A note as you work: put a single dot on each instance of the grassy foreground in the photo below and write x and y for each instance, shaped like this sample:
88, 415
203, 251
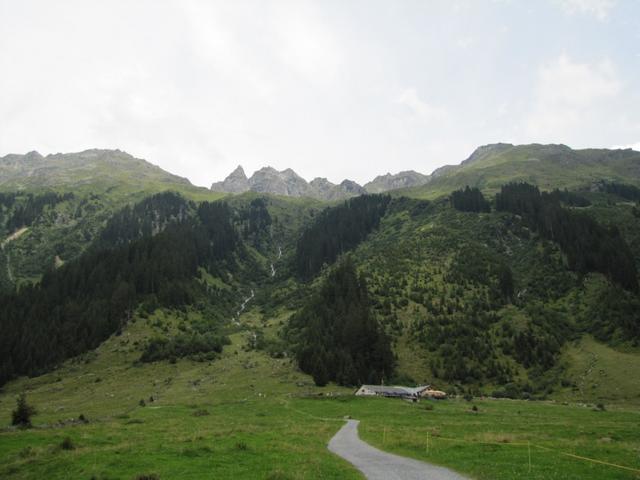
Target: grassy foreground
247, 415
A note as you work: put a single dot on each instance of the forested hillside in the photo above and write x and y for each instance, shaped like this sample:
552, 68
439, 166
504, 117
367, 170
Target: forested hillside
335, 335
486, 297
79, 305
484, 288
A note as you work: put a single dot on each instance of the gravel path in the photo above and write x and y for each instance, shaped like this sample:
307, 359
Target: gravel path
379, 465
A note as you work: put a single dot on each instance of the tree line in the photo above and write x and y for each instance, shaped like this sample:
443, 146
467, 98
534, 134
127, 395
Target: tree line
75, 308
628, 192
335, 335
28, 208
470, 200
145, 219
589, 246
337, 230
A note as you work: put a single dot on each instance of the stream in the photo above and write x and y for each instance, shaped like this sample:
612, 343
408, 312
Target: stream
244, 303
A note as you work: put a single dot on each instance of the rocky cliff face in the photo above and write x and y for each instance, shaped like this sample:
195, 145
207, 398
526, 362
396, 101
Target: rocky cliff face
287, 183
236, 182
384, 183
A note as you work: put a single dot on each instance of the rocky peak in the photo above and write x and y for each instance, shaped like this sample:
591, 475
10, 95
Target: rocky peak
406, 179
352, 187
238, 173
236, 182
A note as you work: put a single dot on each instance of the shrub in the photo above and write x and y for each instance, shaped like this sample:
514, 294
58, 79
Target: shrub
67, 444
21, 416
83, 419
142, 403
184, 345
150, 476
242, 446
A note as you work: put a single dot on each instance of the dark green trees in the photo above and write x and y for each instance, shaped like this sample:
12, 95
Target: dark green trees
81, 304
470, 200
145, 219
336, 336
337, 230
21, 416
28, 208
589, 246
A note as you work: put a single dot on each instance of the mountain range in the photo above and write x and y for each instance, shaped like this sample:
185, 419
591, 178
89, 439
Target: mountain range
488, 167
289, 183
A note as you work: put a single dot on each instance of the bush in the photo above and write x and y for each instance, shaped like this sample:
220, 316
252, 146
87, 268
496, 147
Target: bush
67, 444
150, 476
21, 416
194, 345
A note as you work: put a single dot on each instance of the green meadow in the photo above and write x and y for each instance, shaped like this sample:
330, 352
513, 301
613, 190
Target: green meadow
247, 415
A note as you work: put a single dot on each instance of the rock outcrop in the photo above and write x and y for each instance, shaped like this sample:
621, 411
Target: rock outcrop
287, 183
236, 182
384, 183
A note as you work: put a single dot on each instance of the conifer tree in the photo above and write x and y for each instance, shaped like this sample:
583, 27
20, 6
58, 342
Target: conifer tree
21, 416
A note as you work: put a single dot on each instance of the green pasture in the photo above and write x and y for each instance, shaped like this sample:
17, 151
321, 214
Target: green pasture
247, 415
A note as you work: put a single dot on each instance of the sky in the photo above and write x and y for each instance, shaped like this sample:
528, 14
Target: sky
332, 88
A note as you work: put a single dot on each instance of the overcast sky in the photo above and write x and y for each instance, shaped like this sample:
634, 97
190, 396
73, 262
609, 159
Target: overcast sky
339, 89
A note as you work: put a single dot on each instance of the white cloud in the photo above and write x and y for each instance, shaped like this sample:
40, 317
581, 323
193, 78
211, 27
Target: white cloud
465, 42
570, 96
329, 88
305, 44
597, 8
425, 111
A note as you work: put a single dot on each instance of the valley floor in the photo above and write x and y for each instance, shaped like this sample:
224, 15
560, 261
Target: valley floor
247, 415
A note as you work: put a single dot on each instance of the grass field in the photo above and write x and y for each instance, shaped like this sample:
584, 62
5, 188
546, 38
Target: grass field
246, 415
602, 374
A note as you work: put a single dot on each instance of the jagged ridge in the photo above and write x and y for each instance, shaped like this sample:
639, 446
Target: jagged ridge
289, 183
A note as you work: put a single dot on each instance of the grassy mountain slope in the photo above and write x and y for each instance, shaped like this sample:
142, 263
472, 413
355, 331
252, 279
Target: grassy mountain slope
88, 171
548, 166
